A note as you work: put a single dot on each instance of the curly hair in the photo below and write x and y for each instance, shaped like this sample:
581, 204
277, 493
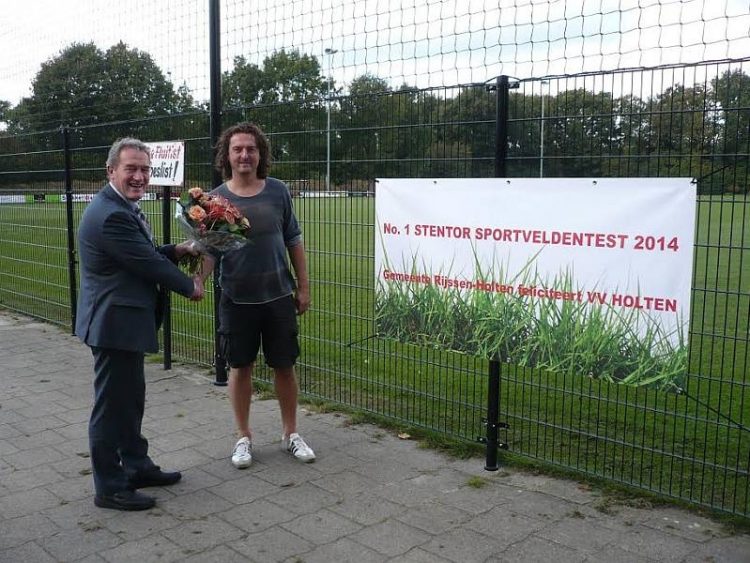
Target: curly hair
222, 149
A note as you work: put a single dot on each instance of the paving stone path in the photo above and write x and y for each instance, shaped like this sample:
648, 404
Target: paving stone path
370, 496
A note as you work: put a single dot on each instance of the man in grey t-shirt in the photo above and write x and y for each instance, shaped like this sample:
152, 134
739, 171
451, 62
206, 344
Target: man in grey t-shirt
260, 299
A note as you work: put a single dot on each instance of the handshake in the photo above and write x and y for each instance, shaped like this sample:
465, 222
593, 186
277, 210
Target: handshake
198, 290
189, 247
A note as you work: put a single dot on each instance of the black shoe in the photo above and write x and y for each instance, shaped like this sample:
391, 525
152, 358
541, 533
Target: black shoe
155, 478
125, 500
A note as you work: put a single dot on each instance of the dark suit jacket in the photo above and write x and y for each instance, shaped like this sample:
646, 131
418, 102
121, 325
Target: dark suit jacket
121, 270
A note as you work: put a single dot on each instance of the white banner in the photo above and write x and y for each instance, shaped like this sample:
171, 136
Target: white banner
88, 197
12, 198
522, 259
77, 197
167, 163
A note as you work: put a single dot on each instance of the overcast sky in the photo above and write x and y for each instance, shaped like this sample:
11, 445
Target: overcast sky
418, 42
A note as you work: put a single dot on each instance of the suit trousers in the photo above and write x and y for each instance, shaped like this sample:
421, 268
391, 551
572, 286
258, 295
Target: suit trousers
118, 449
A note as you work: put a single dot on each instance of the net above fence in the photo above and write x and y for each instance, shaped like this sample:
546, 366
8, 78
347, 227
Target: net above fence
322, 48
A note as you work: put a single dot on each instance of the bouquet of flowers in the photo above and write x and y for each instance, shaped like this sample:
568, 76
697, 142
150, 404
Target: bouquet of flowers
212, 223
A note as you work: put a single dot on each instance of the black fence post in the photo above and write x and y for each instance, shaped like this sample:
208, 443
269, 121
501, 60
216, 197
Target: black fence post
70, 227
166, 223
216, 179
502, 87
493, 412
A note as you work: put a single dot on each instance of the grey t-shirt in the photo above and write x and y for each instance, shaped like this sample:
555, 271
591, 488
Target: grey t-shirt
259, 272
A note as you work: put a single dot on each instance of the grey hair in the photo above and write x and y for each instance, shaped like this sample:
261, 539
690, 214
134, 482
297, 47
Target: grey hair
113, 158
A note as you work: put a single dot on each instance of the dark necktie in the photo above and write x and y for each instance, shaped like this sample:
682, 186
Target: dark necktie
144, 222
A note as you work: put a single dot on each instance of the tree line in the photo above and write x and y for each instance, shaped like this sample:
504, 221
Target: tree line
700, 130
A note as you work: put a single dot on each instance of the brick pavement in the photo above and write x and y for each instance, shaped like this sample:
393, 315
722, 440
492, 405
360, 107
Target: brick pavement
369, 497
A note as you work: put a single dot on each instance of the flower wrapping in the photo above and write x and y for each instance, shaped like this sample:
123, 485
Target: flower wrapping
212, 223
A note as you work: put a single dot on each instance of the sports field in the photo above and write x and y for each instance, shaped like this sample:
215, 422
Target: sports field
693, 446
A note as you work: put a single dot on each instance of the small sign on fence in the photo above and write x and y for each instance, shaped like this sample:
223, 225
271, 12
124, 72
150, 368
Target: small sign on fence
167, 163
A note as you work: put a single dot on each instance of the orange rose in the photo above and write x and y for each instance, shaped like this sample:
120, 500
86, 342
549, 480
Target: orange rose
197, 213
196, 193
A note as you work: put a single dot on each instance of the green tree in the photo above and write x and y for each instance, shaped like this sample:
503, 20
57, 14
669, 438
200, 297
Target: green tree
294, 93
732, 91
416, 133
636, 140
84, 86
243, 85
682, 131
581, 129
286, 97
291, 77
5, 108
362, 139
470, 122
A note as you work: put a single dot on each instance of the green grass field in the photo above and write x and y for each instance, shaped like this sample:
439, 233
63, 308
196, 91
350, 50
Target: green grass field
693, 446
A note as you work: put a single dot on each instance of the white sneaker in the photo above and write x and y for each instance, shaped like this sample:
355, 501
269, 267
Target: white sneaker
296, 446
242, 455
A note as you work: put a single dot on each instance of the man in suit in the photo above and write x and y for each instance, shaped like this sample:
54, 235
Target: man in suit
121, 272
